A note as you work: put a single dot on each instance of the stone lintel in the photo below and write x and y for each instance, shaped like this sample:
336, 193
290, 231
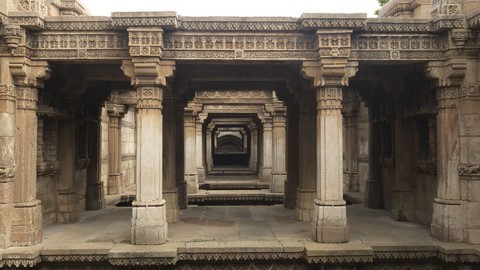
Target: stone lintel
333, 20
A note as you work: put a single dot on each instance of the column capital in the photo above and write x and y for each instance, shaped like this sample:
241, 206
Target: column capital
329, 98
329, 72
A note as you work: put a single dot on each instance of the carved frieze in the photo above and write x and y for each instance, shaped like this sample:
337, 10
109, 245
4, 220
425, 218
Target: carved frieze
166, 20
96, 45
33, 6
334, 44
62, 25
469, 170
243, 46
8, 92
145, 41
7, 172
329, 98
196, 25
391, 25
397, 47
336, 22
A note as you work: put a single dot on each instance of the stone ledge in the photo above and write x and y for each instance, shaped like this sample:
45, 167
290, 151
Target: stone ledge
352, 252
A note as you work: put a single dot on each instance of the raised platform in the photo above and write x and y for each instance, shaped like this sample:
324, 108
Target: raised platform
242, 237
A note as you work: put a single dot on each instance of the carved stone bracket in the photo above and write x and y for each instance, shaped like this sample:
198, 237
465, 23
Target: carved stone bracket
148, 71
447, 73
330, 73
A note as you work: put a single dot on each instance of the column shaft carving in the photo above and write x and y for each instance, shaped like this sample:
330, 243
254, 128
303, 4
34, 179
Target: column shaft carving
350, 108
179, 156
329, 223
7, 161
253, 161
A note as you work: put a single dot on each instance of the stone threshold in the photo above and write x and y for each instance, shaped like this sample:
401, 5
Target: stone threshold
212, 196
171, 253
234, 184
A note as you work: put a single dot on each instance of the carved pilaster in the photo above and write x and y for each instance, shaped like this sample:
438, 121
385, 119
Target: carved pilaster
190, 150
267, 152
115, 176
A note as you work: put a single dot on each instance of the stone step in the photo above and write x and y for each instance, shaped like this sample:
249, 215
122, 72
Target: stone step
234, 185
235, 197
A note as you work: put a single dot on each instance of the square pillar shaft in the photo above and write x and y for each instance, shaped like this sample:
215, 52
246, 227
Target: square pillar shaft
329, 223
149, 223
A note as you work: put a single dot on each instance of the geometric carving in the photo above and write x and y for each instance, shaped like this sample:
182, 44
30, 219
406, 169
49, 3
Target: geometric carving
52, 45
145, 41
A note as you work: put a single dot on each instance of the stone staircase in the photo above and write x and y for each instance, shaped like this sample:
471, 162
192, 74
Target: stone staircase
233, 189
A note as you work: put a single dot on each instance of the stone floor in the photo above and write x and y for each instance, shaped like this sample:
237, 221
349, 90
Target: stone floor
238, 233
238, 223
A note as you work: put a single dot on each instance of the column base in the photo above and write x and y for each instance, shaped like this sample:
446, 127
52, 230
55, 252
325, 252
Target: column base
305, 203
27, 224
115, 185
171, 199
267, 175
95, 196
290, 198
149, 223
447, 221
67, 207
182, 194
329, 222
278, 182
403, 208
192, 183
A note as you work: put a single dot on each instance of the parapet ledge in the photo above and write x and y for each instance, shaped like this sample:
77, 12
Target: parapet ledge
399, 25
333, 20
163, 19
351, 252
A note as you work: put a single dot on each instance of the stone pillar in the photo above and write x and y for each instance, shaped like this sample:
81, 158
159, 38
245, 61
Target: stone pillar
253, 161
67, 201
95, 195
267, 150
279, 170
27, 212
307, 187
403, 207
190, 152
208, 148
350, 109
373, 193
149, 224
8, 96
179, 158
291, 185
115, 175
329, 223
447, 220
169, 142
199, 149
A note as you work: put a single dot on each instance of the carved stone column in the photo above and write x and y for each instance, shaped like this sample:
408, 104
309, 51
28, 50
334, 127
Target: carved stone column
292, 156
267, 150
253, 160
279, 170
329, 223
306, 191
373, 192
350, 109
447, 220
190, 152
8, 96
179, 157
149, 222
27, 212
199, 149
208, 148
115, 175
169, 162
95, 195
